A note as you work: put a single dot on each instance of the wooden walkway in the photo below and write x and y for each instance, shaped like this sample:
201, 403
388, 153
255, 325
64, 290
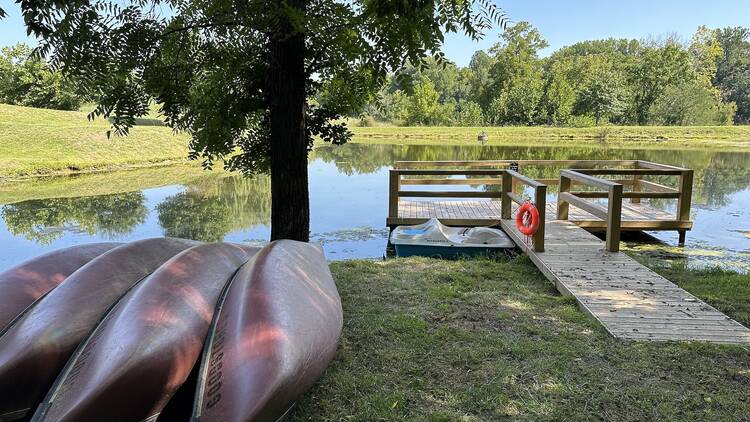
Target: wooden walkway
629, 300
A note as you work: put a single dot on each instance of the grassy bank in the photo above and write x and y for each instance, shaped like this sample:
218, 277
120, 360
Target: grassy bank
38, 142
626, 136
487, 340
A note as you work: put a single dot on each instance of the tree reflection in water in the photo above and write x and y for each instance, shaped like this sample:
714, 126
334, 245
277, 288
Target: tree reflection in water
718, 174
45, 220
214, 206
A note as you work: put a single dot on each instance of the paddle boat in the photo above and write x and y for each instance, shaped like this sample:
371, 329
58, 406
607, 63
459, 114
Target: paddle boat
434, 239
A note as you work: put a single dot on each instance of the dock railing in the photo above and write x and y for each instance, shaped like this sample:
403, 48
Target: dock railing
540, 202
612, 214
399, 177
612, 190
591, 173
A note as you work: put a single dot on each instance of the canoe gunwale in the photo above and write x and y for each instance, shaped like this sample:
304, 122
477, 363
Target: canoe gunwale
208, 343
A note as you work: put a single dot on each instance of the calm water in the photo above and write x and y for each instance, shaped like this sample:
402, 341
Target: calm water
348, 193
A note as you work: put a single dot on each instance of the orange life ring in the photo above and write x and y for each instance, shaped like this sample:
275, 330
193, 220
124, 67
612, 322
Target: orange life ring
527, 219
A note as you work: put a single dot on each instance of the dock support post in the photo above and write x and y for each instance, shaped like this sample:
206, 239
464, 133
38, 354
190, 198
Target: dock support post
681, 237
505, 202
686, 194
393, 188
562, 205
614, 218
540, 199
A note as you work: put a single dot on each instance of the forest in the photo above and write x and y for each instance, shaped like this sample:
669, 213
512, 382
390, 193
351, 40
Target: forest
667, 81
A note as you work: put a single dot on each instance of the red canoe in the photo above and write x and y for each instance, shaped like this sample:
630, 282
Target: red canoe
146, 347
36, 346
24, 284
275, 332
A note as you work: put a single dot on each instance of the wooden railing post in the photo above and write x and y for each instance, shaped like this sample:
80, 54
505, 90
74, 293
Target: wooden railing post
505, 204
562, 205
686, 193
540, 199
394, 185
614, 218
636, 186
683, 202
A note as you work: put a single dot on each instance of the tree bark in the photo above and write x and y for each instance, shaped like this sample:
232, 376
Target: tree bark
290, 203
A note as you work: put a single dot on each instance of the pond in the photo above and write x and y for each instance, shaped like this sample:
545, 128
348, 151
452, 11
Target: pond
348, 194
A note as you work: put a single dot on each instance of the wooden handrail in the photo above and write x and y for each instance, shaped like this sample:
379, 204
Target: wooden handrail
652, 165
628, 172
523, 179
489, 181
448, 194
437, 172
612, 215
656, 187
594, 209
638, 195
586, 179
506, 163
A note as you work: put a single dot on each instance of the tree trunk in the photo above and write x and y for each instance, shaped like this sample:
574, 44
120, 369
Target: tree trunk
290, 203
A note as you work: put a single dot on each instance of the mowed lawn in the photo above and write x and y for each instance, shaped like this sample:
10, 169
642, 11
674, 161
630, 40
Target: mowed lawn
44, 142
727, 137
39, 141
492, 339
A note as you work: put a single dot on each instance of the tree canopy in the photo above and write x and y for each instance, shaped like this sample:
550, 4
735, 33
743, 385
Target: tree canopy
619, 81
27, 80
253, 81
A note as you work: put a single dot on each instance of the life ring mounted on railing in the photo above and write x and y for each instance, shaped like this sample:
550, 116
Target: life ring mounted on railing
527, 219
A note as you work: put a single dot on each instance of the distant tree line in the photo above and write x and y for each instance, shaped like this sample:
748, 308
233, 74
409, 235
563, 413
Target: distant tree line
662, 82
28, 81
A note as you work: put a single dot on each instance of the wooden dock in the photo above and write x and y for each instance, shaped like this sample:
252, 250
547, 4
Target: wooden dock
629, 300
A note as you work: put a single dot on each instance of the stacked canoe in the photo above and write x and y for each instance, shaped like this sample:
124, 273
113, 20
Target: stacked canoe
165, 329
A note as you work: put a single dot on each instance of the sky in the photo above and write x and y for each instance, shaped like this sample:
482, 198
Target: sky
560, 22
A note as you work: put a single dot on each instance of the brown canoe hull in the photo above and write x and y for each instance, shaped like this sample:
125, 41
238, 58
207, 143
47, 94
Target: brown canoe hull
275, 332
37, 345
26, 283
112, 376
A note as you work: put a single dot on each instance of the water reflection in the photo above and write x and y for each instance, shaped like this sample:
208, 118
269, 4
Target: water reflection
45, 220
717, 174
214, 207
349, 193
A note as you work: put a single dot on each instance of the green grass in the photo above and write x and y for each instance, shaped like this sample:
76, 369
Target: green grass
487, 340
38, 142
640, 136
